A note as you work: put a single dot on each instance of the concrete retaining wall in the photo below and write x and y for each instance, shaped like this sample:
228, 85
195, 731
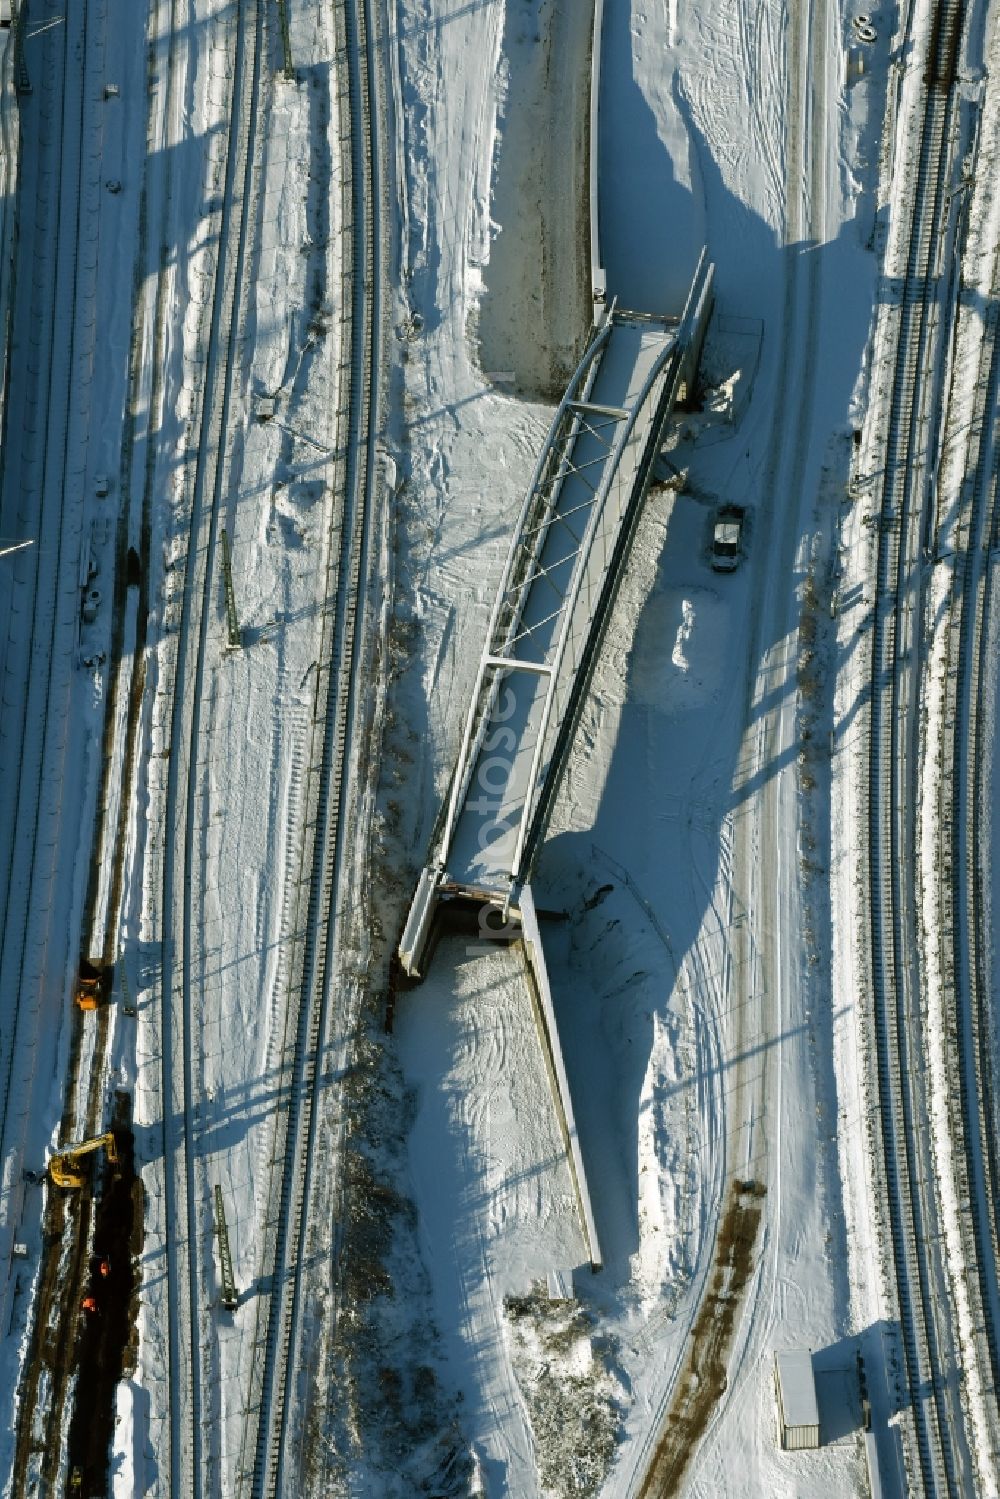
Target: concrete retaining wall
10, 148
546, 1020
598, 280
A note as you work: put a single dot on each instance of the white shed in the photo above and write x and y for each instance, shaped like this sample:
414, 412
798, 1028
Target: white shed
560, 1285
795, 1386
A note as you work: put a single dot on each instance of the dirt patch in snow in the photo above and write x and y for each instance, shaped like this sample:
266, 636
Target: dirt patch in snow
535, 309
106, 1341
703, 1380
391, 1413
572, 1397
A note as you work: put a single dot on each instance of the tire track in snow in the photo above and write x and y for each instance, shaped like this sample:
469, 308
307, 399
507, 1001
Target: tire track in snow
752, 1149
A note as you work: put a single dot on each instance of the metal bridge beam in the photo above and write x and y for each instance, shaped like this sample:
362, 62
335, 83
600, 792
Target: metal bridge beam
590, 408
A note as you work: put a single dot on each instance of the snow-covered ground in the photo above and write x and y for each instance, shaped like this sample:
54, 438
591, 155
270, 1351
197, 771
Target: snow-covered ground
686, 869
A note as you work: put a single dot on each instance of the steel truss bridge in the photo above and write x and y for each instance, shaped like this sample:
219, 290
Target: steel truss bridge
565, 560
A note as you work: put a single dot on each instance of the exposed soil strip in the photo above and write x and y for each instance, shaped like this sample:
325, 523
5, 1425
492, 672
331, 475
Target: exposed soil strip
703, 1380
66, 1341
105, 1344
65, 1233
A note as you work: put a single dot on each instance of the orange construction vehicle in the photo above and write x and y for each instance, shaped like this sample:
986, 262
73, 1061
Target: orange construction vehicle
93, 984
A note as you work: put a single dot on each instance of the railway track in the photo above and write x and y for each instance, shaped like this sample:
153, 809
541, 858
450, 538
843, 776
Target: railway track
962, 921
49, 1386
192, 1376
971, 908
44, 599
938, 1454
266, 1466
69, 92
44, 459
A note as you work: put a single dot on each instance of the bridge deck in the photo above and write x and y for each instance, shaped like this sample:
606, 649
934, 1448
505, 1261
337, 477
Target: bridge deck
599, 443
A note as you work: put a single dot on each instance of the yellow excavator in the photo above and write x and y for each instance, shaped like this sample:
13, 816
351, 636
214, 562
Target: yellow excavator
66, 1167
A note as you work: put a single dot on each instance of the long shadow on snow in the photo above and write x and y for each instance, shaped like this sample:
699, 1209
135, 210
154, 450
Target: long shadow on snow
675, 783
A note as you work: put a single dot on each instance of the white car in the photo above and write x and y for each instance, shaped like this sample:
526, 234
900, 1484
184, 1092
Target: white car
727, 534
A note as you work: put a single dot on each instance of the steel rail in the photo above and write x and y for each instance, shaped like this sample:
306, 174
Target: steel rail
963, 931
181, 1040
61, 165
982, 1016
53, 251
338, 709
935, 1401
